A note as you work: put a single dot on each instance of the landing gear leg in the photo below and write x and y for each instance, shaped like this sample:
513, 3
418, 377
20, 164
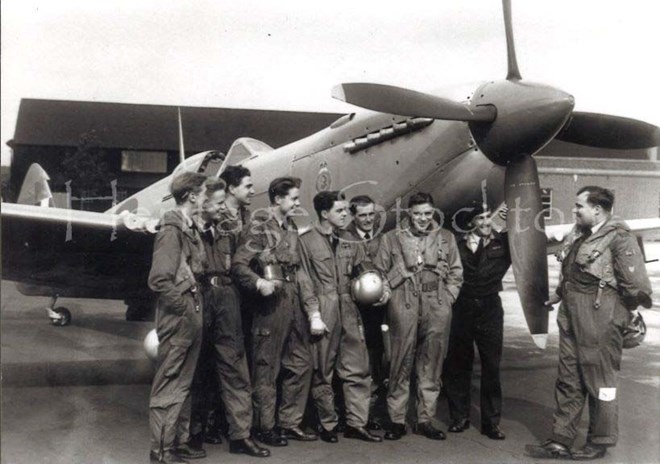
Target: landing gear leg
58, 316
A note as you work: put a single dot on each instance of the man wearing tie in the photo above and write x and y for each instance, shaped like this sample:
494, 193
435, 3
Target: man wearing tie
365, 228
477, 318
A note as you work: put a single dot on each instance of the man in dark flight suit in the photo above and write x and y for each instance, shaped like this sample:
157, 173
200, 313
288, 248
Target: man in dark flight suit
225, 358
603, 278
477, 317
338, 343
178, 262
265, 266
364, 228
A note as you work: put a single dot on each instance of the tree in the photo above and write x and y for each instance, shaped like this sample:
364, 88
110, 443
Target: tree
86, 168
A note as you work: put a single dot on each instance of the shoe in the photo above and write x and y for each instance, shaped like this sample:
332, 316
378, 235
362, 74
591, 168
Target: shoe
271, 438
549, 450
395, 431
188, 452
248, 446
459, 425
341, 426
196, 441
427, 429
213, 437
168, 457
296, 433
493, 432
361, 433
589, 452
373, 425
329, 436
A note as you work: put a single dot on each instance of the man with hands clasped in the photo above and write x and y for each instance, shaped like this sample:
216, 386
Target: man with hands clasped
265, 266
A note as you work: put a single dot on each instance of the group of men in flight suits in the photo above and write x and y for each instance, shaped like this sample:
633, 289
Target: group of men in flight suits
250, 308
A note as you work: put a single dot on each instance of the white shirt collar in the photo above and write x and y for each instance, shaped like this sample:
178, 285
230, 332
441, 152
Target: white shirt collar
363, 234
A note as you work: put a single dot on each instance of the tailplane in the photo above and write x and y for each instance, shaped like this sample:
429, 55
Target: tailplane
35, 189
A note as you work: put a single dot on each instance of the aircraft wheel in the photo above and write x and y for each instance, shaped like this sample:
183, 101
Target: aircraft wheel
65, 318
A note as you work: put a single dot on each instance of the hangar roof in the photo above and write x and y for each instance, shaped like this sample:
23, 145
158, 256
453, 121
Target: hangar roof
155, 127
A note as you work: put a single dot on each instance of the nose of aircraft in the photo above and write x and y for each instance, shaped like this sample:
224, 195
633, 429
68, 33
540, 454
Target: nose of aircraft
528, 116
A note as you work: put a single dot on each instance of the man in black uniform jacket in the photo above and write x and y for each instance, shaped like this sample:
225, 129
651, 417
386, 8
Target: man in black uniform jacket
477, 317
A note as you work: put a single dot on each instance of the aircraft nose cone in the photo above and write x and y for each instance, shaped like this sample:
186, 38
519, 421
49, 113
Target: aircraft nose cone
528, 117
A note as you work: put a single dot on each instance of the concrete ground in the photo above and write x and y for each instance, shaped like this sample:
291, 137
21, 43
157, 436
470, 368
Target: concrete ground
79, 394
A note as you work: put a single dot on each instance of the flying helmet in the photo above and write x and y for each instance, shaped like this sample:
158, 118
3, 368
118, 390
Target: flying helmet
151, 345
634, 334
367, 285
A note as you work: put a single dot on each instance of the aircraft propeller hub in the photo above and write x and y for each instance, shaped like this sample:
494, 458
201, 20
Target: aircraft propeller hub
528, 117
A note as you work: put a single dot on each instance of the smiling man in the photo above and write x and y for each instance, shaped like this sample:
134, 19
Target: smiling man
178, 264
223, 360
423, 271
603, 278
265, 266
365, 228
338, 343
478, 318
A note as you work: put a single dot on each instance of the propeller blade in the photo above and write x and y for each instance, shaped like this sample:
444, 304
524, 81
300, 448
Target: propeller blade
405, 102
606, 131
513, 73
527, 242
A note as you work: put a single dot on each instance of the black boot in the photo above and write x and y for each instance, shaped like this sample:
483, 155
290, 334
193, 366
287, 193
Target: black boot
395, 431
271, 438
427, 429
249, 447
361, 433
589, 452
459, 425
549, 450
329, 436
296, 433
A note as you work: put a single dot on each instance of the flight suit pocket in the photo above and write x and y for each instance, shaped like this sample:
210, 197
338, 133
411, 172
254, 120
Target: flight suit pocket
261, 336
395, 277
176, 357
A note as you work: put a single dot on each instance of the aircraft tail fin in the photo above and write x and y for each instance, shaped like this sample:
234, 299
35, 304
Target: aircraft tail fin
35, 189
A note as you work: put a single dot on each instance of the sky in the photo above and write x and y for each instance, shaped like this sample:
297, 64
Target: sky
288, 55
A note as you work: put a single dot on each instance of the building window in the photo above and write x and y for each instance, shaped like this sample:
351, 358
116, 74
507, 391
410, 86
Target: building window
144, 161
546, 202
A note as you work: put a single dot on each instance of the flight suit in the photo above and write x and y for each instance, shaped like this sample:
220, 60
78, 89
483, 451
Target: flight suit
603, 278
223, 361
280, 332
325, 287
373, 318
424, 274
478, 317
178, 261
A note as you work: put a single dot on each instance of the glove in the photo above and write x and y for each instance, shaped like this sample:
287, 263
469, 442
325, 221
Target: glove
265, 287
316, 324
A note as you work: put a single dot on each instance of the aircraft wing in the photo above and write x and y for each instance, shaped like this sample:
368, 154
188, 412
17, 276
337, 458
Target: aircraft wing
643, 228
77, 253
